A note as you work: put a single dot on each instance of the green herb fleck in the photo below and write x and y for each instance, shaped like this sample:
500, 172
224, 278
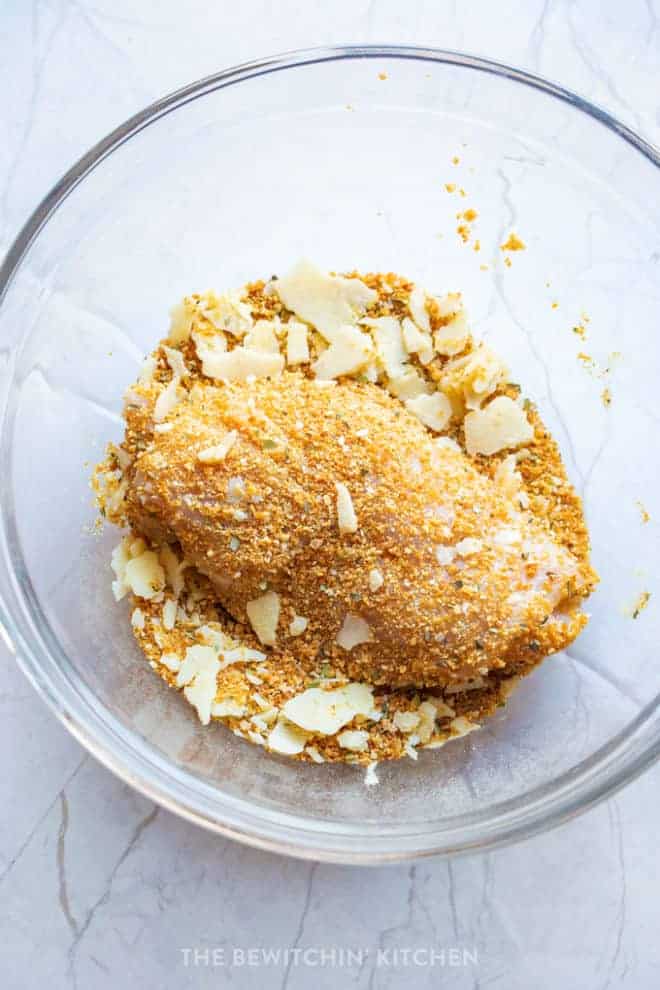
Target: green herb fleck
642, 602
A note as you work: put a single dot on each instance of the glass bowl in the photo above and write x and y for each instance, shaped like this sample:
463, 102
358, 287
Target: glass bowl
342, 155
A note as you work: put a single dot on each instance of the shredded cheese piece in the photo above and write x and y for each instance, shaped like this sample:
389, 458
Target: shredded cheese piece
264, 614
433, 411
499, 425
167, 400
298, 625
345, 511
214, 455
326, 301
297, 347
349, 351
375, 579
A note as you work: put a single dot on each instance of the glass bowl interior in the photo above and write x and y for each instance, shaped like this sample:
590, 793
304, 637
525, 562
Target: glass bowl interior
318, 155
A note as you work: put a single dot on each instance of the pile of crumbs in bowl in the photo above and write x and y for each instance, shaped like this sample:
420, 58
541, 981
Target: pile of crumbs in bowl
348, 533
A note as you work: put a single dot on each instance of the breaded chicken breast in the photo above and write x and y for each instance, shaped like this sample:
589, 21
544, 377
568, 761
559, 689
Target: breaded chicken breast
328, 515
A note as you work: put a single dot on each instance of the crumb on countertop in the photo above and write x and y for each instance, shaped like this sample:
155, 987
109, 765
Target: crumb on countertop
640, 604
513, 243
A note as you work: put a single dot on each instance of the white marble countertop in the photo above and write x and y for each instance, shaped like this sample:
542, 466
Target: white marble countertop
99, 888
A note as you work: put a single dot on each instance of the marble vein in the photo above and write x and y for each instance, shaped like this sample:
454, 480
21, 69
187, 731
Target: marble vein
537, 37
35, 828
653, 22
618, 955
72, 953
61, 867
39, 61
591, 61
301, 923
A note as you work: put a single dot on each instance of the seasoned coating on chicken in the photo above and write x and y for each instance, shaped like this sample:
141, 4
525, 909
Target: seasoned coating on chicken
416, 552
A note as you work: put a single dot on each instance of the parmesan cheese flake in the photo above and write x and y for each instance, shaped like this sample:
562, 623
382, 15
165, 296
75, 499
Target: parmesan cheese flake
346, 516
326, 301
500, 425
214, 455
264, 614
325, 712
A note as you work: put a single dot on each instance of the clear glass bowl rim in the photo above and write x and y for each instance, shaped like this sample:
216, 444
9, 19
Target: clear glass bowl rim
623, 758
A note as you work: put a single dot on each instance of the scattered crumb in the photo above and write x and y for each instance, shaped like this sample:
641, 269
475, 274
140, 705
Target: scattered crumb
547, 285
382, 75
606, 397
464, 229
513, 243
580, 330
349, 106
483, 268
462, 192
507, 262
641, 604
450, 187
455, 160
643, 511
554, 305
592, 366
477, 246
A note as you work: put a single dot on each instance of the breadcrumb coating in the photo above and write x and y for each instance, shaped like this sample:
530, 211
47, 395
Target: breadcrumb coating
390, 557
465, 574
